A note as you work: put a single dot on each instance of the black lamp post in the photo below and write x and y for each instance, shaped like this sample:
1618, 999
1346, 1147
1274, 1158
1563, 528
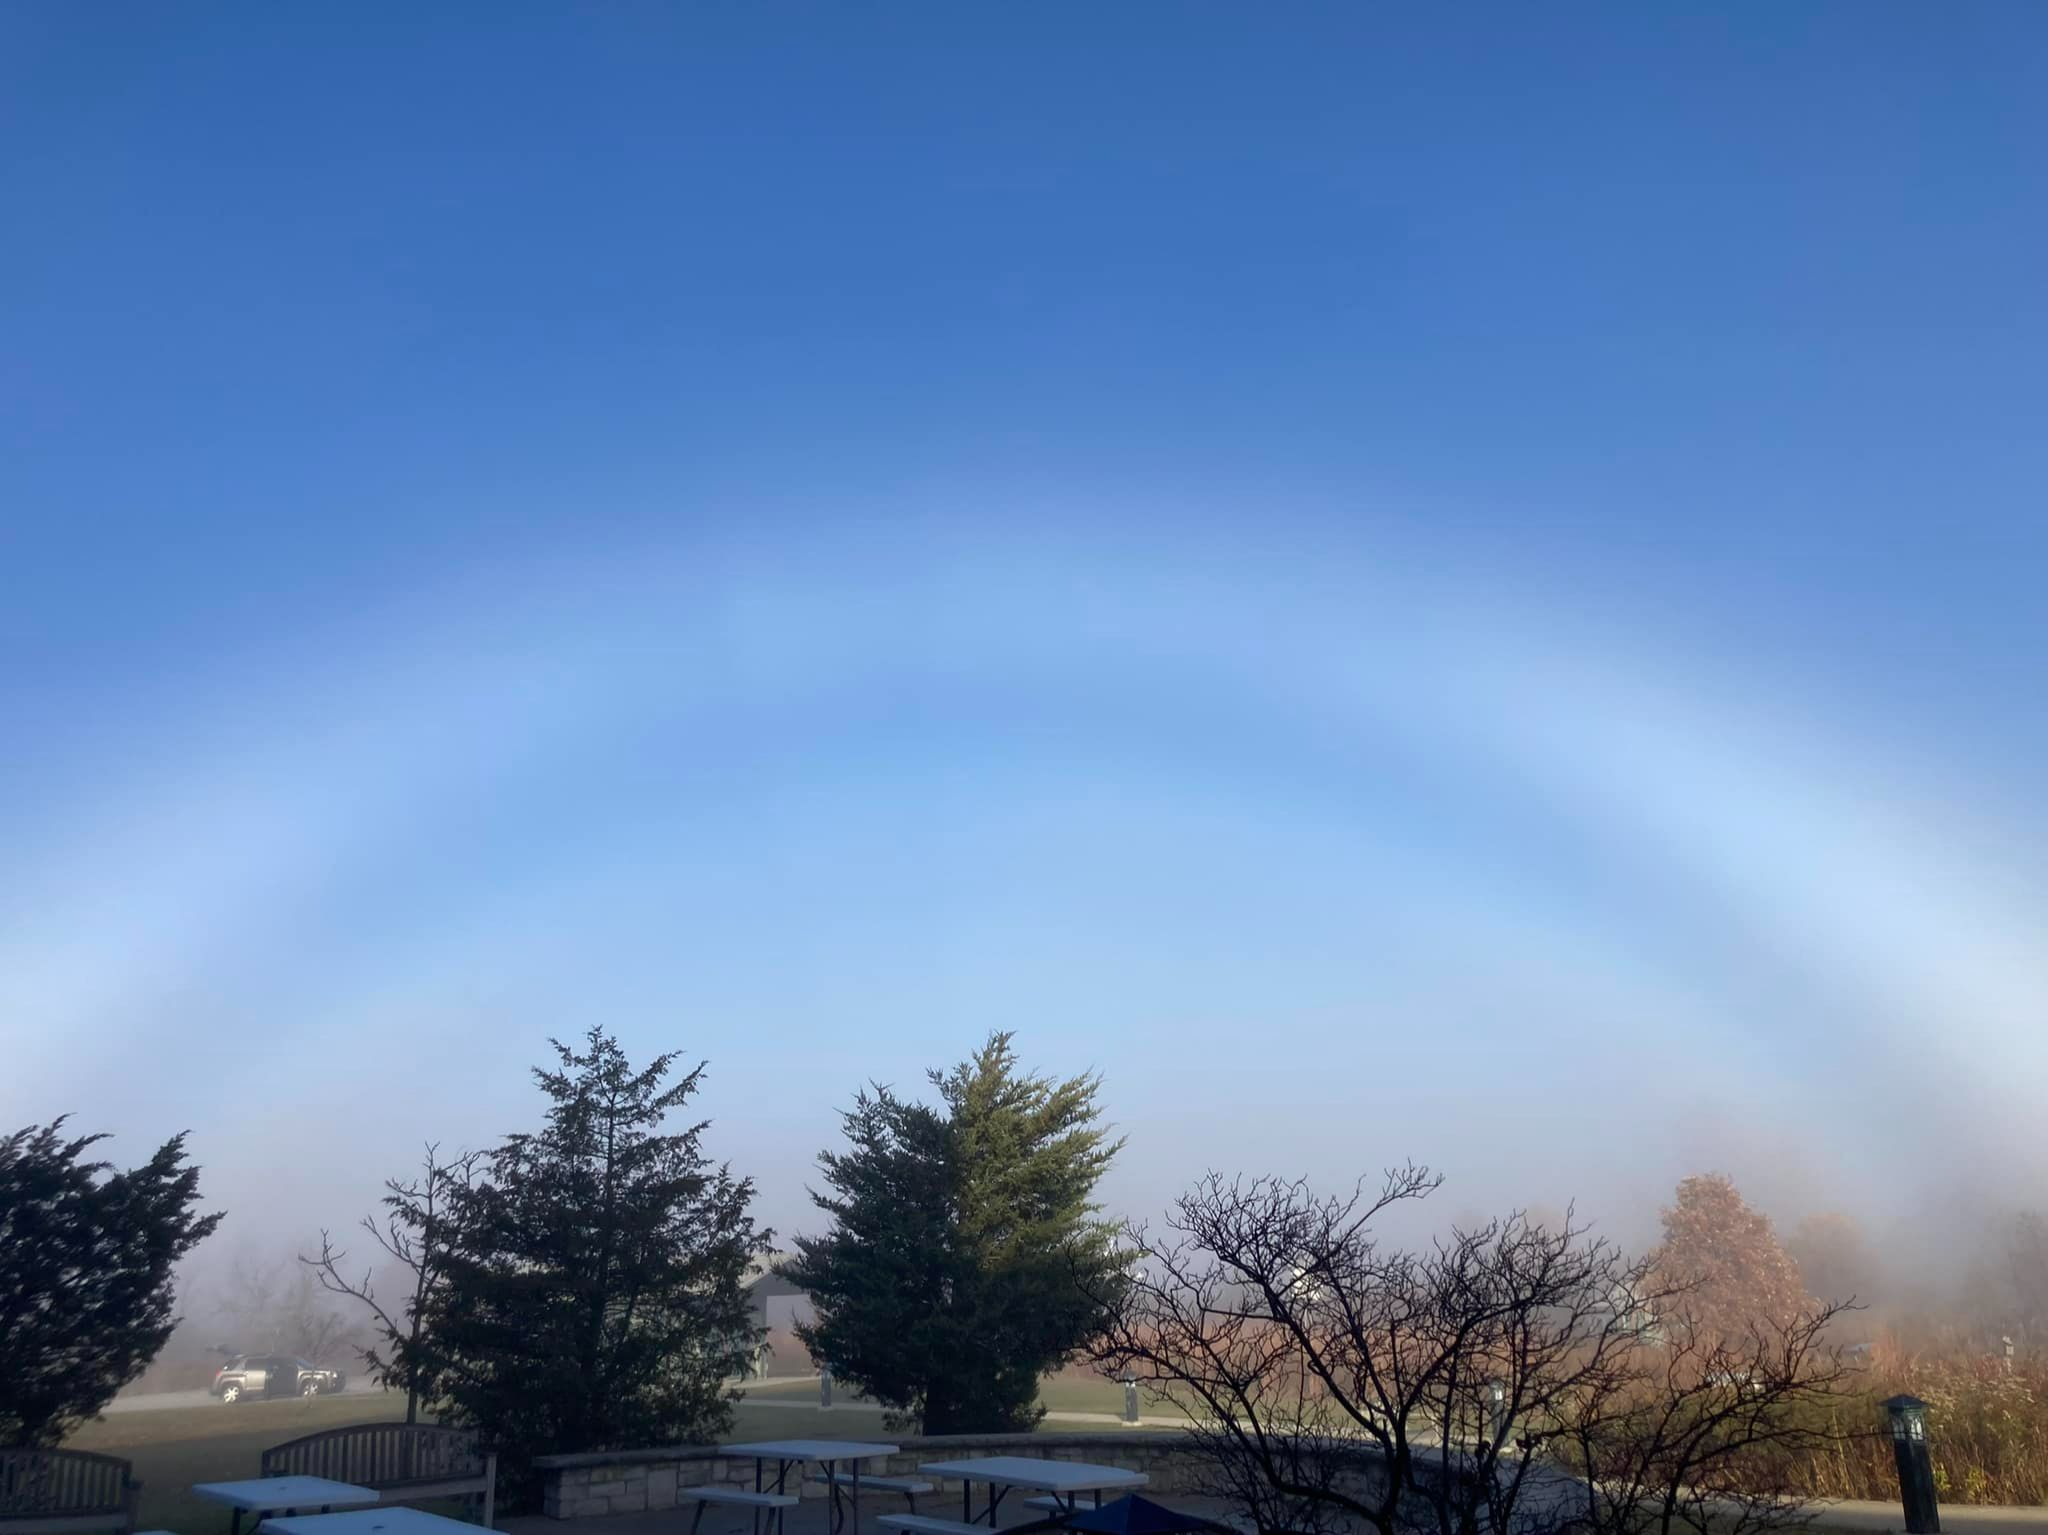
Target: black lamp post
1908, 1416
1130, 1385
1497, 1407
825, 1385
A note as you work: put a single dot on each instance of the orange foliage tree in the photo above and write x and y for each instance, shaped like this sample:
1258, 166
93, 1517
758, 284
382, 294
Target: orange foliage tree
1727, 1259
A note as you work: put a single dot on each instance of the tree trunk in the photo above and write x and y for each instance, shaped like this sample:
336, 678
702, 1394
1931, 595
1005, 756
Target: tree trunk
941, 1413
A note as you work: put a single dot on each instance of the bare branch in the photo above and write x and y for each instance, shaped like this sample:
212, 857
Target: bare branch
1508, 1378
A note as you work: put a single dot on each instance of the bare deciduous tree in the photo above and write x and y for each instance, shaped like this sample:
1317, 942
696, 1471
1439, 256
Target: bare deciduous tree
416, 1233
1338, 1382
273, 1305
1703, 1431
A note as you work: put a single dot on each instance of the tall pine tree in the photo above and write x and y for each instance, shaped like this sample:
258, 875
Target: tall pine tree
966, 1259
596, 1296
86, 1257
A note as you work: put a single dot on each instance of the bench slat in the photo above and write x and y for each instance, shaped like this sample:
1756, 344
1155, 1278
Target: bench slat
883, 1483
924, 1524
736, 1496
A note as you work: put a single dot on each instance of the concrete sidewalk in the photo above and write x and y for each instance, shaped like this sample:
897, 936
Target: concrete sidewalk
1964, 1518
809, 1518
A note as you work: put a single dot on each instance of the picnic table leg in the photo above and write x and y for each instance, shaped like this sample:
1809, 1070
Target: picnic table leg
856, 1498
757, 1487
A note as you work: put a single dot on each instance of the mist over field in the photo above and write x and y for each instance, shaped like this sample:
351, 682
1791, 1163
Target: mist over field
1401, 588
1325, 857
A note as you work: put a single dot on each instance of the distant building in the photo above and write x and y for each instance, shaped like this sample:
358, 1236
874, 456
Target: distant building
777, 1305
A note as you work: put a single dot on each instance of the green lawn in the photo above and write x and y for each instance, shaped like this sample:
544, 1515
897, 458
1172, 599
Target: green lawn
178, 1446
1063, 1393
175, 1447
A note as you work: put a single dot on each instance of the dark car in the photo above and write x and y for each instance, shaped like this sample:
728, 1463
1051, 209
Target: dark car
254, 1375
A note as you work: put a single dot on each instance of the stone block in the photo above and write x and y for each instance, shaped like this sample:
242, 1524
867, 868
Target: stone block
661, 1487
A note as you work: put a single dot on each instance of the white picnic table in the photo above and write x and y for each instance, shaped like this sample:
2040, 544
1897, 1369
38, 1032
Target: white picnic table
395, 1520
829, 1453
1065, 1480
283, 1495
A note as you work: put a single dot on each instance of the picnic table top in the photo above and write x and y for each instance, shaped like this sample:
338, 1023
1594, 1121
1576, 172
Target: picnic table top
369, 1521
1037, 1475
808, 1449
261, 1492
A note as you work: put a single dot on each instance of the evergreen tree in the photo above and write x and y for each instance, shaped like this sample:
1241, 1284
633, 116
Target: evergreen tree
86, 1256
965, 1259
594, 1297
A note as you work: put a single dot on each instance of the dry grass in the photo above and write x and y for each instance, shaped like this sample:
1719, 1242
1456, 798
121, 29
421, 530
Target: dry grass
1987, 1431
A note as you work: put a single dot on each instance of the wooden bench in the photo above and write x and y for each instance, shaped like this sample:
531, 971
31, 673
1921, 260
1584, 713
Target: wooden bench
924, 1524
65, 1492
776, 1503
406, 1462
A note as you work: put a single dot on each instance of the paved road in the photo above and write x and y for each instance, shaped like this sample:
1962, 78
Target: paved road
158, 1401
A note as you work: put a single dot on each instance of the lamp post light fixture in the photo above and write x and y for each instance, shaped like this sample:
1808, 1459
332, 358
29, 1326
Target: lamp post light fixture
1908, 1418
1497, 1407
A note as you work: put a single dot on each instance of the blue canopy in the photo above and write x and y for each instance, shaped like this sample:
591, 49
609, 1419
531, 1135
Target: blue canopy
1133, 1515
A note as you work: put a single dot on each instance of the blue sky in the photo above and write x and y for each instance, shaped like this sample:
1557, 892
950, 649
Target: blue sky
1402, 584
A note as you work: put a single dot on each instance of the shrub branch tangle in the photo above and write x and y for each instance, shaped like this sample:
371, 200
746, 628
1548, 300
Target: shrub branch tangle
1337, 1381
418, 1233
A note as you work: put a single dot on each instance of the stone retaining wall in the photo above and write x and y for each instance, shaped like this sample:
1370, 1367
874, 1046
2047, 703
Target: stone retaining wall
634, 1481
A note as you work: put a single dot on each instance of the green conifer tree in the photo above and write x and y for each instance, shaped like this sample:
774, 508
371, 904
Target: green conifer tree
596, 1296
966, 1258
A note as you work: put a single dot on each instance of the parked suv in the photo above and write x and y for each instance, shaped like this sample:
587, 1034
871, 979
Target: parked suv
254, 1375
